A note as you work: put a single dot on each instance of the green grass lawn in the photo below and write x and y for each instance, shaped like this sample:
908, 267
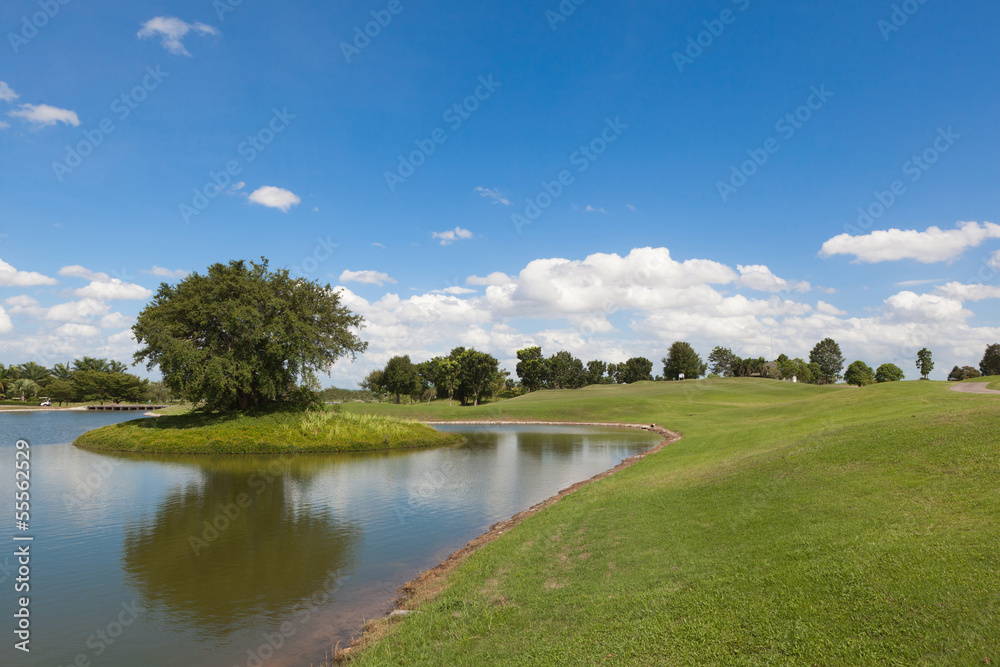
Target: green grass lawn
269, 433
791, 525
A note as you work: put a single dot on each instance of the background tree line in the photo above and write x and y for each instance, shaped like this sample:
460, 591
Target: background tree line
466, 375
473, 377
83, 380
564, 371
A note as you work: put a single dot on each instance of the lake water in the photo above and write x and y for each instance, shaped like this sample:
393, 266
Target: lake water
249, 561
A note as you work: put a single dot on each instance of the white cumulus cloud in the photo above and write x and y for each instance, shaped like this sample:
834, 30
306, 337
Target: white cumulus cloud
78, 331
930, 246
104, 287
273, 197
43, 115
969, 292
492, 195
161, 272
366, 277
11, 277
6, 93
452, 235
6, 326
759, 277
172, 30
113, 289
77, 271
78, 311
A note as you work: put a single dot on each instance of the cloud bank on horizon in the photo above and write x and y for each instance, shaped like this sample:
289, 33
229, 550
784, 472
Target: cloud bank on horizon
604, 306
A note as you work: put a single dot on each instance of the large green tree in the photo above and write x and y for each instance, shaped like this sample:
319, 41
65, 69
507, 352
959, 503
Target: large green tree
565, 371
889, 373
827, 356
681, 359
636, 369
400, 377
447, 377
990, 365
243, 336
61, 391
859, 373
34, 371
532, 368
721, 361
116, 387
477, 373
595, 372
925, 363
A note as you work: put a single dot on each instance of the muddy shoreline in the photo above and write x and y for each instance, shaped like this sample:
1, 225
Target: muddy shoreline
427, 585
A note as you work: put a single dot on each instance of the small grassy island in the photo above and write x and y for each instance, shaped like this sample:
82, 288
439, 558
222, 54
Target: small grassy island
274, 432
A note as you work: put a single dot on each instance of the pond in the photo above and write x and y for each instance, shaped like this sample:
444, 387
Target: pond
248, 561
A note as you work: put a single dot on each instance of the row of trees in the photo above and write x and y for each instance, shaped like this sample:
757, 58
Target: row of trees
86, 379
472, 376
564, 371
825, 365
466, 375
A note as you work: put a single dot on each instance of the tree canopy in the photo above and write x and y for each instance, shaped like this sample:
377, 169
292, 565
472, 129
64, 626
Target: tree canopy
859, 373
683, 360
400, 377
889, 373
636, 369
532, 368
990, 365
826, 355
243, 336
721, 361
925, 364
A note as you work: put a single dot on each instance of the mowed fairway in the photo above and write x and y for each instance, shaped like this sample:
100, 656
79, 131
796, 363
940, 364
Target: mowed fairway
790, 525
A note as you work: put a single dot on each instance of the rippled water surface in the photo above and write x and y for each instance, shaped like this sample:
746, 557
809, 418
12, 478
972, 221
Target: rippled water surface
208, 560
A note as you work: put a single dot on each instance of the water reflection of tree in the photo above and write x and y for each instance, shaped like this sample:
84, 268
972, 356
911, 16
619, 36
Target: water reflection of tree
261, 560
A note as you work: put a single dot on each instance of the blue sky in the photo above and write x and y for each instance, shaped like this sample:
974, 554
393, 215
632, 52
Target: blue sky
644, 109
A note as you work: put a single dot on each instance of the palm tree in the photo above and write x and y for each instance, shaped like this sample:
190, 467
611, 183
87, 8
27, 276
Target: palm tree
117, 367
91, 364
26, 387
33, 371
63, 371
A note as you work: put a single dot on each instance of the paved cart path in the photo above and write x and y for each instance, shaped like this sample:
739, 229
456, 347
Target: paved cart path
974, 388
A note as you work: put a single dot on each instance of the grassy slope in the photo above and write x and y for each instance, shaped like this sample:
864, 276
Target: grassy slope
791, 525
278, 432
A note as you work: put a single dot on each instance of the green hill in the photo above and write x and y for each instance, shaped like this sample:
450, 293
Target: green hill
791, 525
